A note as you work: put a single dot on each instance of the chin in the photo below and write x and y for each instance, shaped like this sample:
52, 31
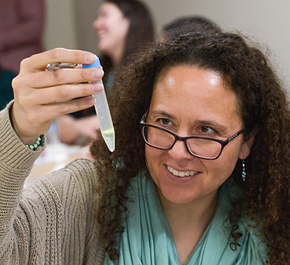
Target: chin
102, 47
177, 196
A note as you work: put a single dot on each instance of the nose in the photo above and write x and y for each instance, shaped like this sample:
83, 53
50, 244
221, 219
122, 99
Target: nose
96, 24
179, 151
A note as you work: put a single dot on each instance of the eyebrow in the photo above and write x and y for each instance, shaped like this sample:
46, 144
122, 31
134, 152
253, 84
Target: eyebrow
165, 114
203, 122
214, 124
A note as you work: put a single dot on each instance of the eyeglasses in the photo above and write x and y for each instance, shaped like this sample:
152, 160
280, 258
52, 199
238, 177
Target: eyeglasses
198, 146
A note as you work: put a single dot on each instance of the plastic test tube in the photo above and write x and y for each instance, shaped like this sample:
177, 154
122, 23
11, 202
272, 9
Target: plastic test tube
103, 112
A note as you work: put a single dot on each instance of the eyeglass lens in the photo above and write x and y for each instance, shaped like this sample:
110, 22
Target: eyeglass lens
158, 138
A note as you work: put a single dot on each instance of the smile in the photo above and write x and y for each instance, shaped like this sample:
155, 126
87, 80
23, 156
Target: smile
181, 174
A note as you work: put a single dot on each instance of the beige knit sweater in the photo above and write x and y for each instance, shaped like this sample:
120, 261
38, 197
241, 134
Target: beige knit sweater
53, 222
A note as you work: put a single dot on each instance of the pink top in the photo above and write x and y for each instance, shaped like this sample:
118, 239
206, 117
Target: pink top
21, 27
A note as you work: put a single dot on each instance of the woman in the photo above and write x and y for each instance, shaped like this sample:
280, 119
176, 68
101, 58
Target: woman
205, 180
123, 27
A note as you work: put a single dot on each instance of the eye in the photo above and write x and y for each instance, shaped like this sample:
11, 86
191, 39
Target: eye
208, 131
164, 121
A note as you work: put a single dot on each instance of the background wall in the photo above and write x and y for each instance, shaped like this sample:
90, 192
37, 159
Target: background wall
60, 24
69, 23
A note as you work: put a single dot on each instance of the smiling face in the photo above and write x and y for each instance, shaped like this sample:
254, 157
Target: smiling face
192, 101
112, 28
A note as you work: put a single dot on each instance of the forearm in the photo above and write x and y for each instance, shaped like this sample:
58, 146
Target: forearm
16, 161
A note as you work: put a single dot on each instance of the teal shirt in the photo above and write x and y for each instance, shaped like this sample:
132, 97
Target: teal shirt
147, 238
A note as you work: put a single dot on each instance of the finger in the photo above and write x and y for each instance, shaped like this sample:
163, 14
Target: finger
64, 92
64, 76
49, 112
66, 107
29, 124
38, 62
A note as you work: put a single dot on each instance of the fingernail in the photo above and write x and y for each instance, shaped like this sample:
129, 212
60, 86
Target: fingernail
97, 87
91, 57
97, 73
91, 101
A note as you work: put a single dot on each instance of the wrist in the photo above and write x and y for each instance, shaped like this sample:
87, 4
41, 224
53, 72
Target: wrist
36, 144
27, 140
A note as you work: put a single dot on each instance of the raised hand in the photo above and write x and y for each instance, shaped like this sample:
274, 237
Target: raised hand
41, 95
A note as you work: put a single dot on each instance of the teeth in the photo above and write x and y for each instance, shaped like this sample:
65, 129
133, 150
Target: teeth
181, 174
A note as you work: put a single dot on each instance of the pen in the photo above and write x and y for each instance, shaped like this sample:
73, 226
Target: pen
101, 106
103, 112
57, 66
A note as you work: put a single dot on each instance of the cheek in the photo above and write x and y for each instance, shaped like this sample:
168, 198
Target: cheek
153, 159
116, 34
149, 156
222, 171
225, 165
122, 28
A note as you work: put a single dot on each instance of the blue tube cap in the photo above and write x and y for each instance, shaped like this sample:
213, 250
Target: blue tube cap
95, 64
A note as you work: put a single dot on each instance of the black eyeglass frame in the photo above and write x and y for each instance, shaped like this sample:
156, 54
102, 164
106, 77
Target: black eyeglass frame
223, 143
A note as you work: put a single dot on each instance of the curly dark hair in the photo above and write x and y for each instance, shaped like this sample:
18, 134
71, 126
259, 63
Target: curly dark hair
264, 110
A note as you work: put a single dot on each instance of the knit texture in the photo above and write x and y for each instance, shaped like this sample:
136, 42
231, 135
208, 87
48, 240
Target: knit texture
52, 222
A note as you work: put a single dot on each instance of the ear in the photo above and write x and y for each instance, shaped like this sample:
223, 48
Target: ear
247, 145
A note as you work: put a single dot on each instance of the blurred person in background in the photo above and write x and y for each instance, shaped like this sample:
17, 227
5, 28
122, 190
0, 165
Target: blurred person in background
122, 26
187, 24
21, 27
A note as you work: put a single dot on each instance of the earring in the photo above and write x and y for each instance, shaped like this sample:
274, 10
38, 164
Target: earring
244, 174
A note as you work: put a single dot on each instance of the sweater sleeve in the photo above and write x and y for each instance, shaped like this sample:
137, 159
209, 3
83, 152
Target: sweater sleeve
16, 161
57, 217
53, 221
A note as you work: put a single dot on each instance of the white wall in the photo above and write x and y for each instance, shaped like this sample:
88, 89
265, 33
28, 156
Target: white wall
60, 25
86, 13
70, 22
266, 20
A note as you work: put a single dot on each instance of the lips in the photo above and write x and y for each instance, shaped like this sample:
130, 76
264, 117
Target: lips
181, 174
